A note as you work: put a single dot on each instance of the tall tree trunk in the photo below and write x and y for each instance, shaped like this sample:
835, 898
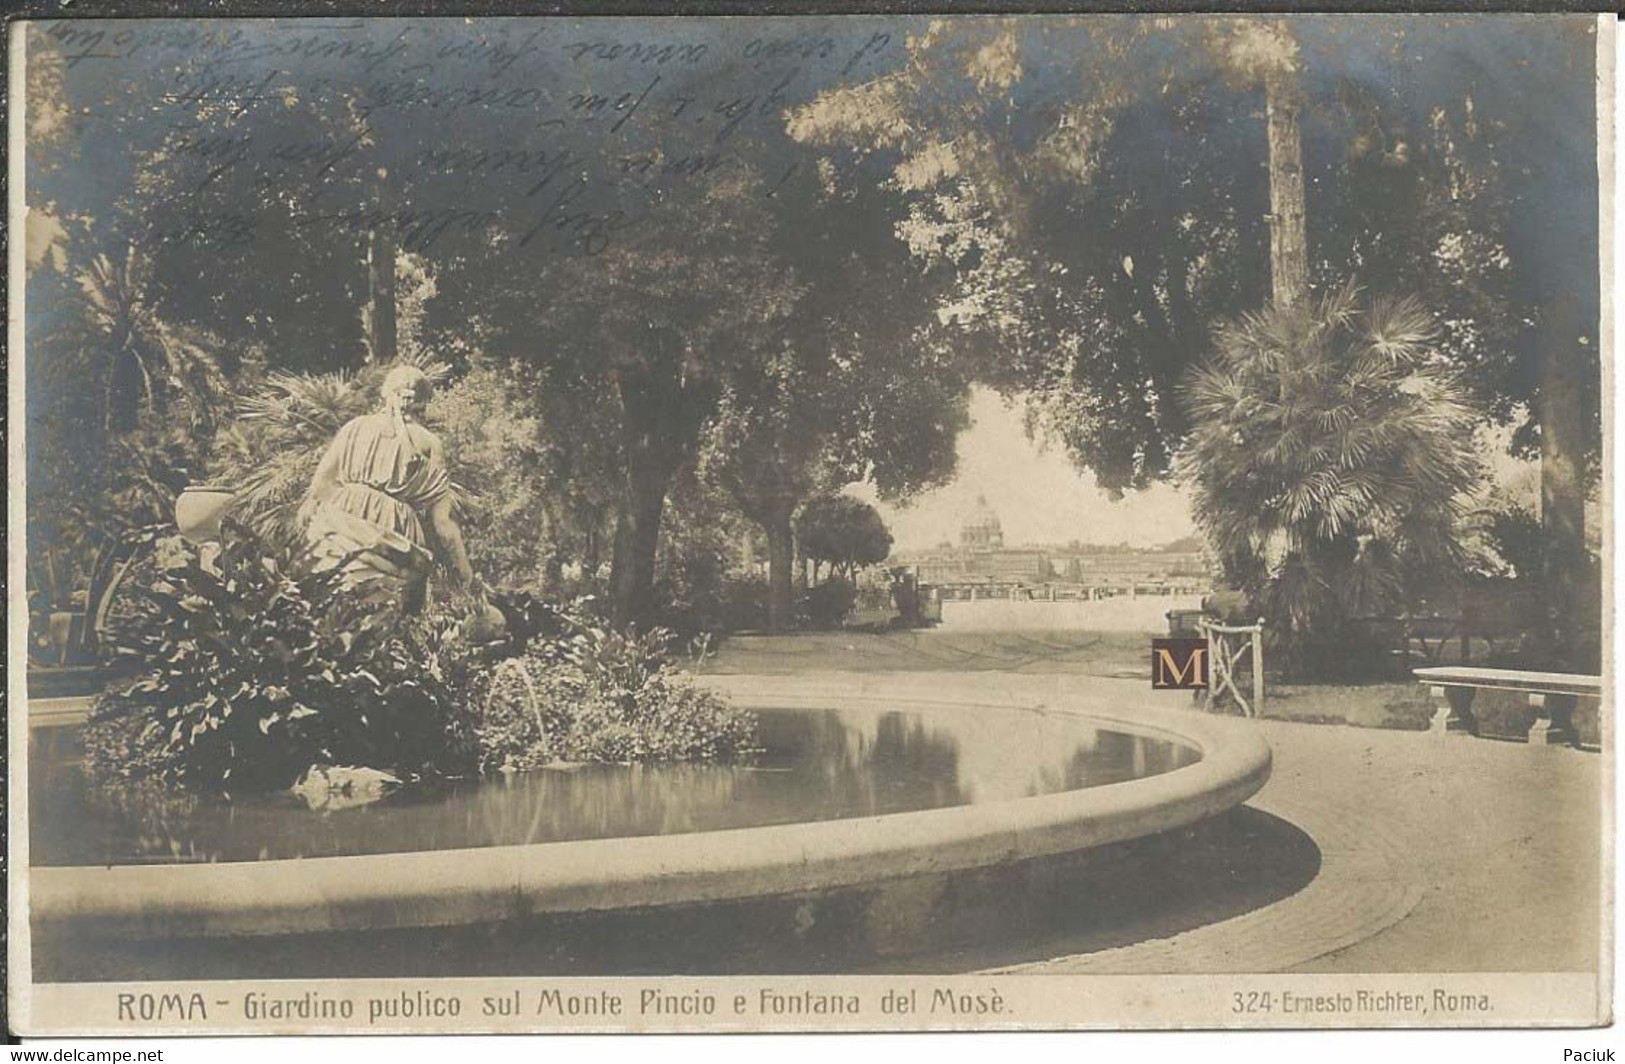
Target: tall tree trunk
381, 343
781, 559
123, 391
1289, 248
659, 423
637, 536
1560, 408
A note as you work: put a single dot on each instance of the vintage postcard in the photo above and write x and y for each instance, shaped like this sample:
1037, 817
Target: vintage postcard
823, 523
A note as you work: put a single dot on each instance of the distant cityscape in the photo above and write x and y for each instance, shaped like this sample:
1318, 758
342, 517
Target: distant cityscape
981, 557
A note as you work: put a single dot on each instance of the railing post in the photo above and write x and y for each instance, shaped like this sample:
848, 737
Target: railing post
1212, 664
1258, 668
1223, 656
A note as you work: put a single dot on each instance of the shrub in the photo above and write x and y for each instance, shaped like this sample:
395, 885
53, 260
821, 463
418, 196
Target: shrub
827, 605
1513, 573
690, 594
744, 603
603, 695
249, 669
698, 536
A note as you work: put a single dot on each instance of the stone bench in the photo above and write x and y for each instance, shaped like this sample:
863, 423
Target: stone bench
1552, 695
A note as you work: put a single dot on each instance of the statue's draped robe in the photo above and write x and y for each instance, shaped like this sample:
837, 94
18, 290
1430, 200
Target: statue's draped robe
372, 525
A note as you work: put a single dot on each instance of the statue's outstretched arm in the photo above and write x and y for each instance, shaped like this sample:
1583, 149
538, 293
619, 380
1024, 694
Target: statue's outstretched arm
449, 534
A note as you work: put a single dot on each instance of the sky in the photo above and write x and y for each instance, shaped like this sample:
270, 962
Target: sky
1042, 498
1039, 495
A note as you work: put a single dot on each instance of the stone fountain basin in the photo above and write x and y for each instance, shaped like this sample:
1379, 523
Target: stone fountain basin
448, 888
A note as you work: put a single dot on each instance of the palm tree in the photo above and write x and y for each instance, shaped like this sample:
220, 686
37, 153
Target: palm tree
153, 392
1329, 458
135, 400
142, 364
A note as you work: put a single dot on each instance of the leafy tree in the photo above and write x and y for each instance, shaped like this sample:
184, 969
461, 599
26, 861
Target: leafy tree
807, 422
692, 302
1086, 293
1329, 459
1425, 173
311, 169
1021, 150
145, 305
844, 532
865, 384
511, 517
1445, 178
697, 561
768, 452
247, 210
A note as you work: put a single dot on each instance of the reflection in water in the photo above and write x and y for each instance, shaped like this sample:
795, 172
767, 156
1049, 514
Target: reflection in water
1114, 757
897, 765
818, 765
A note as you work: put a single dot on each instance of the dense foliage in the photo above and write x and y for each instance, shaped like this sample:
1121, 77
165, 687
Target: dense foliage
1440, 176
250, 669
247, 670
827, 605
1507, 586
603, 695
123, 407
1060, 208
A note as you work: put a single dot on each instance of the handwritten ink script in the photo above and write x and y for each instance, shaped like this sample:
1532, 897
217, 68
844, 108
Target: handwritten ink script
552, 136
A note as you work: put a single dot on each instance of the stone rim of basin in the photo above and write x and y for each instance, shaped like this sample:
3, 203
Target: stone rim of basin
455, 887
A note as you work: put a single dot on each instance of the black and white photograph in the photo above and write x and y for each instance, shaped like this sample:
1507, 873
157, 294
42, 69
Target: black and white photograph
807, 523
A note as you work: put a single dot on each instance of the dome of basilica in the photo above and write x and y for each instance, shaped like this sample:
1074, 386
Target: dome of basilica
982, 529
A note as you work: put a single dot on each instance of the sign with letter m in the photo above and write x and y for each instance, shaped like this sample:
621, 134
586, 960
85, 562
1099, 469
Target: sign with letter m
1178, 664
